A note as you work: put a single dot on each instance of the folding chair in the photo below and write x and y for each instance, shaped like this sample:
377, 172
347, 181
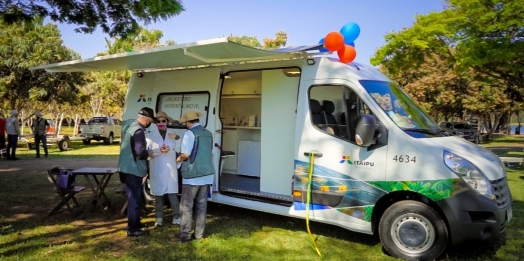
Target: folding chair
65, 194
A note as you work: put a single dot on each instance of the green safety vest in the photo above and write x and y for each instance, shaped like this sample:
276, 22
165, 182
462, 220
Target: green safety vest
200, 162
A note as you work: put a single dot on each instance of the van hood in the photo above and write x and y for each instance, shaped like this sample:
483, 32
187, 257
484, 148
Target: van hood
488, 163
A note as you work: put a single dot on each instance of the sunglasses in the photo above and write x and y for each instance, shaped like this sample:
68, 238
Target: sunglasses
161, 121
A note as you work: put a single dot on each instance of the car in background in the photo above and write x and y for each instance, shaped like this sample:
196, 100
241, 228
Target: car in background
462, 129
100, 128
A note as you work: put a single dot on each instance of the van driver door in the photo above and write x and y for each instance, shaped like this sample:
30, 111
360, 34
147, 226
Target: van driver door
339, 168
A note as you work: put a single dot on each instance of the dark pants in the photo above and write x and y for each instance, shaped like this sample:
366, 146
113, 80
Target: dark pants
193, 195
39, 138
135, 200
12, 142
2, 141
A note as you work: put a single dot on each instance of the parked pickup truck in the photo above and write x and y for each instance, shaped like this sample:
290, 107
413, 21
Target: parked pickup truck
100, 128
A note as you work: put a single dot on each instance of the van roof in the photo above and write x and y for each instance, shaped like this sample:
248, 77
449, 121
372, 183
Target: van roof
201, 53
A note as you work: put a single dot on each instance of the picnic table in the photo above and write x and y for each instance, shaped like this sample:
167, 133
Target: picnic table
97, 180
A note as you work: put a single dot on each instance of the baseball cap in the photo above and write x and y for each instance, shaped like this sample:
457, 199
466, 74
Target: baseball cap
148, 112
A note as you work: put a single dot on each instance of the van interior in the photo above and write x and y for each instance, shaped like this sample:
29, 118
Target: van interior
254, 106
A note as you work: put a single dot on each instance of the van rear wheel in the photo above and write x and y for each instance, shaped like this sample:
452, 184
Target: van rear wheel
412, 230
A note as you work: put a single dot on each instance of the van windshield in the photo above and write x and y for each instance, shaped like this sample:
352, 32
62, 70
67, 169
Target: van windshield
399, 107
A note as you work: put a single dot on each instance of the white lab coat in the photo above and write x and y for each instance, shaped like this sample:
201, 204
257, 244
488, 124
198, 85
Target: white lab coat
163, 173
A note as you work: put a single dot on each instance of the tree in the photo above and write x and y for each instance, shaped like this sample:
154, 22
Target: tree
481, 39
115, 17
106, 91
280, 40
27, 44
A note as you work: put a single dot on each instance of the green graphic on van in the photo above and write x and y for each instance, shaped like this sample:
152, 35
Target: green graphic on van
346, 159
434, 189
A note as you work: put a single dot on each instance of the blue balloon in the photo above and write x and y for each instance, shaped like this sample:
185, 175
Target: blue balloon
352, 43
350, 31
322, 49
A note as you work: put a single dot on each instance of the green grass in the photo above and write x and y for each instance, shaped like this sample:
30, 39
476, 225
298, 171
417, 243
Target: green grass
234, 233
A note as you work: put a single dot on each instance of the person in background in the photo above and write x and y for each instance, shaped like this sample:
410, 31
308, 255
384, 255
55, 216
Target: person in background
197, 172
163, 174
12, 127
132, 165
3, 151
40, 128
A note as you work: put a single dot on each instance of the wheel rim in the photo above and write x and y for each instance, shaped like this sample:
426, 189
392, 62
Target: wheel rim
413, 233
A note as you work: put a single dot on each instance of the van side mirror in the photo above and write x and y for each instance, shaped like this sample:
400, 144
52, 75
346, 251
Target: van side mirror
365, 130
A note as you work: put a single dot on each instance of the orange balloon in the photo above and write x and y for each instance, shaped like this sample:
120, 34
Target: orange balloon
347, 54
334, 41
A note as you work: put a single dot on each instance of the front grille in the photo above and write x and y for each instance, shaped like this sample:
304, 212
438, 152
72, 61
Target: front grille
501, 190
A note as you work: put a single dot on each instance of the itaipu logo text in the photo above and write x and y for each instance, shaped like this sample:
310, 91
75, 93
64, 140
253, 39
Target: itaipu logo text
356, 162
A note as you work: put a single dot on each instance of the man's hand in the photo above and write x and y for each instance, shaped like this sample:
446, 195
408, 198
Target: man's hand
182, 157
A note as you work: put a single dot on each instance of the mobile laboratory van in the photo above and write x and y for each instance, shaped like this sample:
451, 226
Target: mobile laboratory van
378, 162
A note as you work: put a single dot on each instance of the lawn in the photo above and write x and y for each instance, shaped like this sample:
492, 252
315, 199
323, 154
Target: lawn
233, 233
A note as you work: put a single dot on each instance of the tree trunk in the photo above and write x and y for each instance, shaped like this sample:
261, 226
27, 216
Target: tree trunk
59, 124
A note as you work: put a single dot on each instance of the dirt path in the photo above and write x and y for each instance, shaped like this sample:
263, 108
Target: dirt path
30, 165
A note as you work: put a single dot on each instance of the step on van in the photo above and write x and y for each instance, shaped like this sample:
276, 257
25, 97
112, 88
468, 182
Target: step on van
379, 163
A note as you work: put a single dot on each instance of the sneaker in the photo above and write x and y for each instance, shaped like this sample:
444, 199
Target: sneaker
176, 221
159, 222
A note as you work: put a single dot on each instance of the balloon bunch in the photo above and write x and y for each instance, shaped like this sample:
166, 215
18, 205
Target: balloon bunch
342, 42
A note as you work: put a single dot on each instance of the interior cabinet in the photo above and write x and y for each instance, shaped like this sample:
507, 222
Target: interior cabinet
244, 87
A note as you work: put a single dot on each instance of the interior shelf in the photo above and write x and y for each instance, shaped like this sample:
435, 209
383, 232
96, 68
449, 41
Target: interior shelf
242, 127
241, 96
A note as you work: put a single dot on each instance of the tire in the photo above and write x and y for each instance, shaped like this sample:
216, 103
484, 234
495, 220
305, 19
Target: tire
477, 140
86, 141
63, 145
109, 141
404, 224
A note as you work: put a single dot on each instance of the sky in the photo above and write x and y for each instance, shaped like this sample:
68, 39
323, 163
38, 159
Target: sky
304, 21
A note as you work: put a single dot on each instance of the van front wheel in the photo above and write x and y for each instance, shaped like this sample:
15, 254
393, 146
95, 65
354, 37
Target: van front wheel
412, 230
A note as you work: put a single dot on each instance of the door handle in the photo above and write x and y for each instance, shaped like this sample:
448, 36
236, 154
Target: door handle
315, 154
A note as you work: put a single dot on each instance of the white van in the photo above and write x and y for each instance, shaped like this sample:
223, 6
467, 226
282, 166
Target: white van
379, 163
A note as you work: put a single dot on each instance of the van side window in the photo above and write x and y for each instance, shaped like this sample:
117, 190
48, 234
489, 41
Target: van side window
335, 110
177, 104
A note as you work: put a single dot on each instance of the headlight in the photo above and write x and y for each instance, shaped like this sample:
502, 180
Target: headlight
469, 173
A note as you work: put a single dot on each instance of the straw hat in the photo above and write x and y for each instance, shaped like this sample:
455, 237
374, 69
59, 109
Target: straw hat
190, 115
161, 114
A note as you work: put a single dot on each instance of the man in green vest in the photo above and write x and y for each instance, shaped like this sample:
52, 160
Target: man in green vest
197, 175
40, 127
132, 165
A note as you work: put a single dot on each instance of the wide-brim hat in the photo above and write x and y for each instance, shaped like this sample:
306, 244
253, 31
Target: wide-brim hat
38, 114
14, 112
162, 114
189, 116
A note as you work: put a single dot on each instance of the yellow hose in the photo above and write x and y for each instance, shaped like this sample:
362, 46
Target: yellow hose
311, 162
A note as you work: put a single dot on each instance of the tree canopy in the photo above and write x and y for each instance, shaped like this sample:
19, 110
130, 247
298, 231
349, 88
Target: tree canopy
464, 60
115, 17
27, 44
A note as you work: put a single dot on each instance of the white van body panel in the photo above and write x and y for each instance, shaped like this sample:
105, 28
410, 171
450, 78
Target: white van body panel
332, 216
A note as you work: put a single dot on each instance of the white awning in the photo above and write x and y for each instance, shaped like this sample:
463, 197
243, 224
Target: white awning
214, 51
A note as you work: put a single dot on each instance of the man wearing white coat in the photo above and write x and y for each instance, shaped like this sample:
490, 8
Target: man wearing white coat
163, 174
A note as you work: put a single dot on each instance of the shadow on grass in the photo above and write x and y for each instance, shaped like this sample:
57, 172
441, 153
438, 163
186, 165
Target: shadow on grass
227, 221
